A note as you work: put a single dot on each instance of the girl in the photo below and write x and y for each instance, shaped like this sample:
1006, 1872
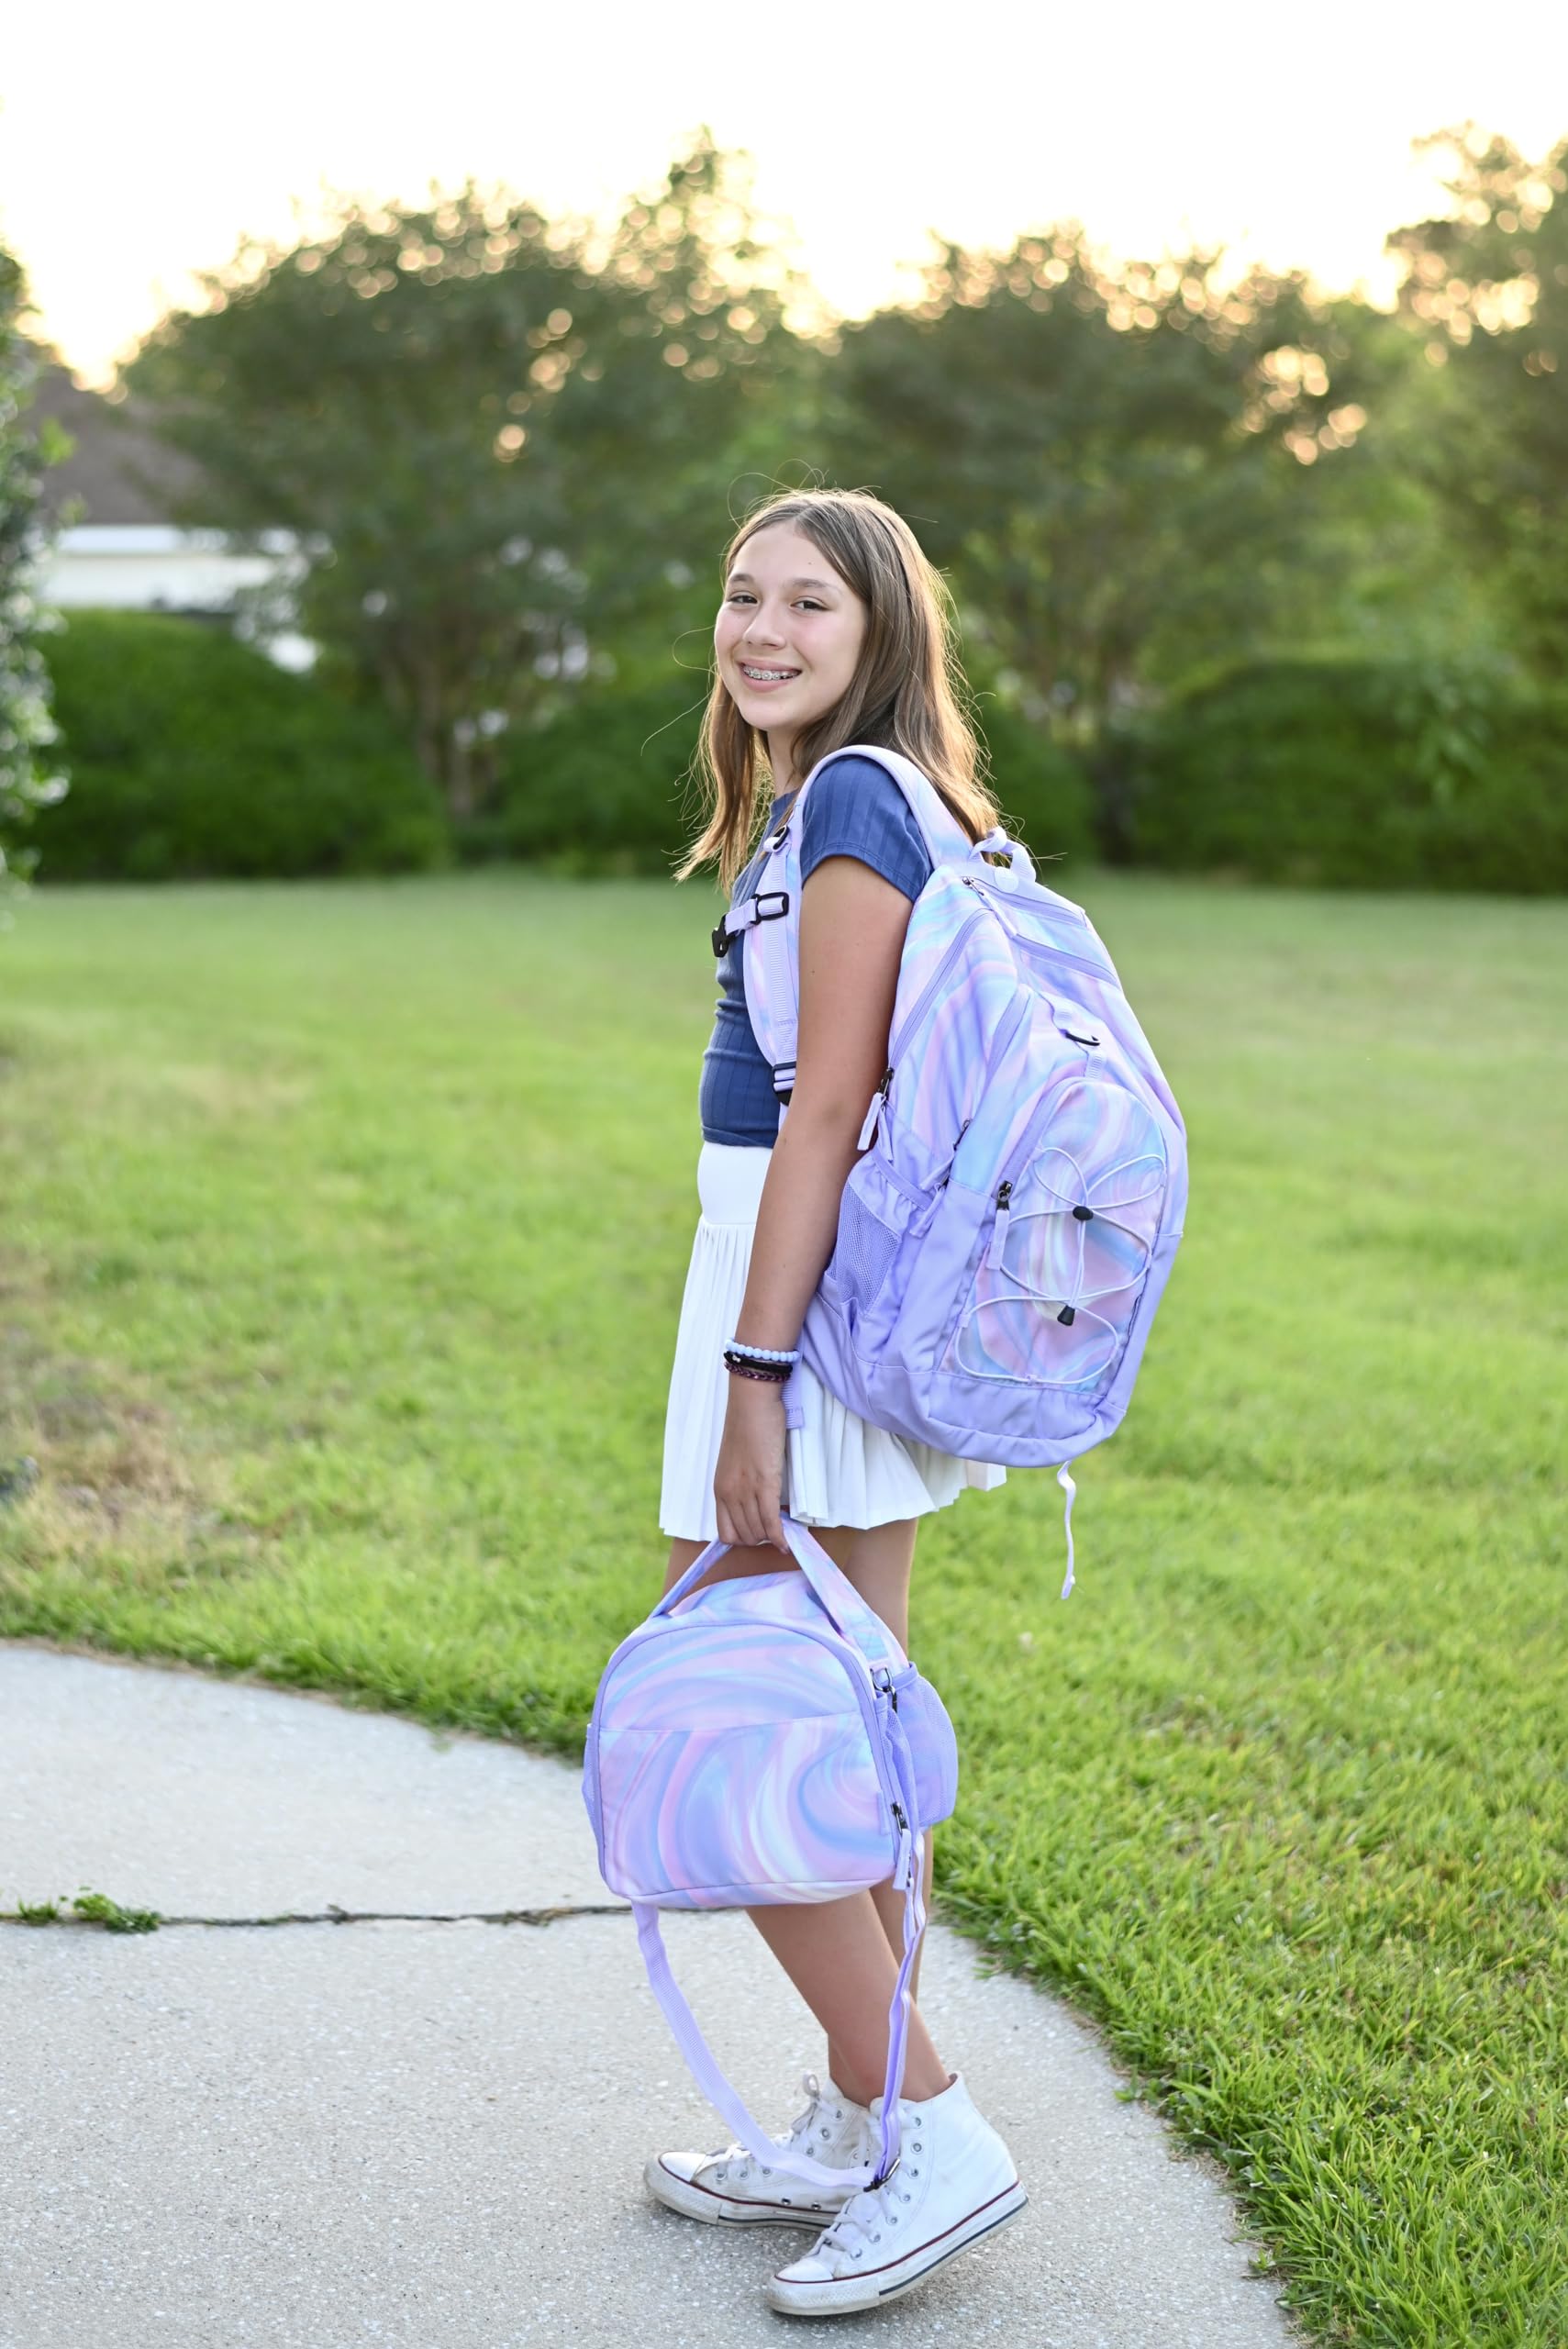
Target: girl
832, 629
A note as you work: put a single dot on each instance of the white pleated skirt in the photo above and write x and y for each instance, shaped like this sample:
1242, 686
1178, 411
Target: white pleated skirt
838, 1470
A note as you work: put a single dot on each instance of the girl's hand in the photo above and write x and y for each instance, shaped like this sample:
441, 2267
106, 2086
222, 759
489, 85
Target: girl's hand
748, 1477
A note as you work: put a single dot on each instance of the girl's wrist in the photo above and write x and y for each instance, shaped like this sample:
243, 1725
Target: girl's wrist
755, 1365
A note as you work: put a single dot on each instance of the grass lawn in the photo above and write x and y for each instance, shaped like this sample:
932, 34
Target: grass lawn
344, 1234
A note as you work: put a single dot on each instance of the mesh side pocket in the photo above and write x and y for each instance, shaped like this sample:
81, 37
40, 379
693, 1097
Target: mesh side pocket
864, 1252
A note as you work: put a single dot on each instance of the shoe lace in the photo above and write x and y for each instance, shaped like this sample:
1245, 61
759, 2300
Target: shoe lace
799, 2128
861, 2221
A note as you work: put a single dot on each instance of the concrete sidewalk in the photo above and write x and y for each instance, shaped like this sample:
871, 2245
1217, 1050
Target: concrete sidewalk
309, 2136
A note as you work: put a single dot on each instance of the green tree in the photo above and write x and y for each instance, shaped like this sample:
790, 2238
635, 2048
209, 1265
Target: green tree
1121, 465
27, 724
1486, 291
497, 440
1387, 575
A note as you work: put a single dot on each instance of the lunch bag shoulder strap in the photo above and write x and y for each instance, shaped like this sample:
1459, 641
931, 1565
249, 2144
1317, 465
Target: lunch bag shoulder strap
721, 2092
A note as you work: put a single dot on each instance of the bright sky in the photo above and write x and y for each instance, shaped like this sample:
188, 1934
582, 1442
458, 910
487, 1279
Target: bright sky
139, 144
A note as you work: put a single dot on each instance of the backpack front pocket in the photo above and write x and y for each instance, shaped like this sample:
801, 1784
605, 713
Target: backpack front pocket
1070, 1243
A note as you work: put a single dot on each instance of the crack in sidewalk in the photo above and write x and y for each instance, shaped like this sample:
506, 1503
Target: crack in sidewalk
151, 1919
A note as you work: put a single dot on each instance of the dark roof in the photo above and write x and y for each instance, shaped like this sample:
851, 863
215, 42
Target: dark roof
118, 468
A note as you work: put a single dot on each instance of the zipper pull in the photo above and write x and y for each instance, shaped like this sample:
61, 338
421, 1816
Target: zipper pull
903, 1862
999, 1229
878, 1104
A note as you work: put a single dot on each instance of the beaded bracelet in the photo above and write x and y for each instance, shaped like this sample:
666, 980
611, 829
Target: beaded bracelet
763, 1353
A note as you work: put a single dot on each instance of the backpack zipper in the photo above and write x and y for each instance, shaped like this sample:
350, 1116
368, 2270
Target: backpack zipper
1060, 954
1064, 908
1043, 946
1017, 1158
879, 1099
933, 984
878, 1104
999, 1228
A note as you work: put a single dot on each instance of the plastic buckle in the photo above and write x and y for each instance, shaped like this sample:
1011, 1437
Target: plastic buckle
720, 940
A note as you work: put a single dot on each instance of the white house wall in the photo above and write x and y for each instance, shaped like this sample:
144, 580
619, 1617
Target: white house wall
153, 567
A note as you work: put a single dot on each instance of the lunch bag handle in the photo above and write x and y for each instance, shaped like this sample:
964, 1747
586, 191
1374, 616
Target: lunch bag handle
859, 1623
851, 1615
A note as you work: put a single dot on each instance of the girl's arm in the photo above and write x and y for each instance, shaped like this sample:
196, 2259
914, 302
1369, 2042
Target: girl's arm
851, 937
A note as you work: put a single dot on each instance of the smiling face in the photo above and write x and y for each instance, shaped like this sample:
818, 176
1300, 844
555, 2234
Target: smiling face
787, 638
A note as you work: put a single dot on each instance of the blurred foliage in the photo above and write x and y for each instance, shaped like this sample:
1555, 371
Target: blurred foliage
1486, 293
1043, 791
1173, 510
498, 438
29, 779
1125, 467
600, 787
193, 754
1359, 773
605, 787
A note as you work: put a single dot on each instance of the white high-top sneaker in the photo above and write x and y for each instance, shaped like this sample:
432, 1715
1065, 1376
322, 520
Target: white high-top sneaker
736, 2187
954, 2185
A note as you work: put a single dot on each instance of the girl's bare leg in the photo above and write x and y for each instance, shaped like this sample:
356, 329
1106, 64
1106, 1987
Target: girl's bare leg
843, 1955
879, 1564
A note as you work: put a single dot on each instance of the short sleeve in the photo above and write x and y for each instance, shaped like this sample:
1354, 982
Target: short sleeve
855, 808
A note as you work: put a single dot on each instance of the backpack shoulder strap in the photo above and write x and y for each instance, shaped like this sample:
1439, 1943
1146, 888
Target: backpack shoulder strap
946, 841
770, 919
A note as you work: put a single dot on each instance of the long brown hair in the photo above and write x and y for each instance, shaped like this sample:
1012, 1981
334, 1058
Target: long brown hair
907, 693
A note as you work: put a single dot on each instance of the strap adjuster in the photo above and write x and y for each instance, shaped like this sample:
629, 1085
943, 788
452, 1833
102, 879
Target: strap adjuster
772, 906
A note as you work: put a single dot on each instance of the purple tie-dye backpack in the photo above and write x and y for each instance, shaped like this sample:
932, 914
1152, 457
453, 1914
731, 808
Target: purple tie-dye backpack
766, 1740
1006, 1237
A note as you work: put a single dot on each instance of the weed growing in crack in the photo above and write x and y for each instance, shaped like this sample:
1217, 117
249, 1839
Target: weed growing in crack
99, 1909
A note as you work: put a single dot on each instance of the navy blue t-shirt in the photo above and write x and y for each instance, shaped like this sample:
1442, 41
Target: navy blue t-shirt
855, 810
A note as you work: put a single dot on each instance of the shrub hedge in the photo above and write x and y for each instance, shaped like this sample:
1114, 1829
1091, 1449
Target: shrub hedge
600, 787
192, 755
605, 787
1043, 794
1358, 773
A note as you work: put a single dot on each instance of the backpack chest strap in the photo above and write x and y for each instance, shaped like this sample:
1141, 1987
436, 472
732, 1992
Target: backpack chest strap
771, 905
771, 977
